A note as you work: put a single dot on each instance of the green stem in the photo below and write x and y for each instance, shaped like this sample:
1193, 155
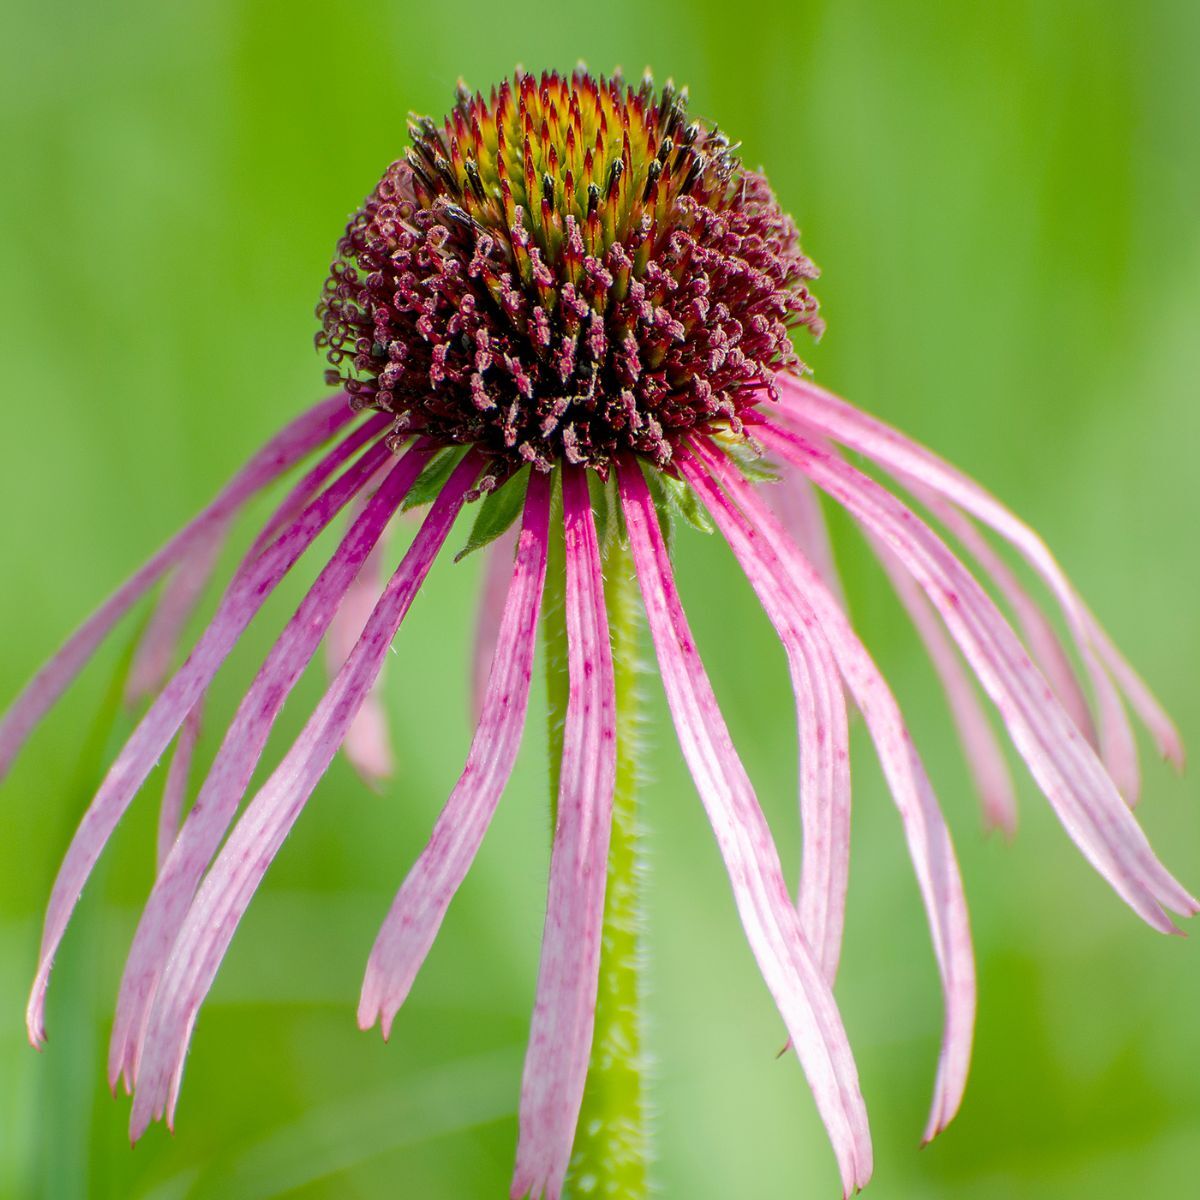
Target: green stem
611, 1140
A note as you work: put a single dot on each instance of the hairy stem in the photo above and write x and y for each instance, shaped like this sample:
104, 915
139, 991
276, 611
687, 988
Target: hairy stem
611, 1140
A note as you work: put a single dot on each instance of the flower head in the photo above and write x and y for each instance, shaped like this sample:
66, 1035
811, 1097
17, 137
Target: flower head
568, 282
568, 271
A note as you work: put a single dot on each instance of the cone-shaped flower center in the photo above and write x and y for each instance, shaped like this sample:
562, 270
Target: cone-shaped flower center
569, 269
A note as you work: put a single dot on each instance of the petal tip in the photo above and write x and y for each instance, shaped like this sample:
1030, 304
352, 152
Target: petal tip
1160, 922
368, 1014
1002, 825
35, 1016
374, 769
139, 1122
857, 1175
932, 1130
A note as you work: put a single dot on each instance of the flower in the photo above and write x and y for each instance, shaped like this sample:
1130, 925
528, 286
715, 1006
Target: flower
569, 306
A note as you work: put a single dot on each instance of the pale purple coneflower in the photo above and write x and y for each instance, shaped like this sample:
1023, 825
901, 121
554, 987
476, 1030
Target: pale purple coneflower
569, 304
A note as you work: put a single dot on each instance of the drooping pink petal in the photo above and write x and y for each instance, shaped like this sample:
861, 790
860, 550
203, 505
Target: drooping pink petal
497, 572
154, 732
795, 502
421, 903
156, 648
1115, 739
1144, 702
1064, 764
1045, 644
821, 722
295, 442
908, 460
313, 480
983, 754
175, 788
925, 829
560, 1040
258, 835
772, 924
236, 760
367, 746
157, 644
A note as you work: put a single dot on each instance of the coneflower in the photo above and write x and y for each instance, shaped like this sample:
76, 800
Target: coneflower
571, 308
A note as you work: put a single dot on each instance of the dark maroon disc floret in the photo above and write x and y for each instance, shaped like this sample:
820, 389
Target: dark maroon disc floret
567, 270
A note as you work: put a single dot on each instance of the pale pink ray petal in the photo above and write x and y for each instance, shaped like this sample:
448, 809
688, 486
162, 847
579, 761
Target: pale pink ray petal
420, 905
771, 922
1115, 740
235, 763
295, 442
497, 572
908, 460
821, 723
368, 745
560, 1039
1144, 702
984, 757
1064, 764
258, 835
313, 480
154, 732
156, 648
929, 843
1044, 642
1115, 736
795, 502
175, 788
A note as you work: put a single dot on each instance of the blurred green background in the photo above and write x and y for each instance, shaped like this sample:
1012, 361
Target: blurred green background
1004, 200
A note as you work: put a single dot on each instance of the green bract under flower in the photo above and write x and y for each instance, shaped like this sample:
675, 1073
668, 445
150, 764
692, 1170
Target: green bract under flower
566, 270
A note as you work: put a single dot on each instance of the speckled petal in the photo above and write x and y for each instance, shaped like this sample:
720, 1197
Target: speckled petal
901, 456
419, 907
257, 837
929, 843
497, 575
293, 443
154, 732
771, 922
1074, 780
984, 757
235, 763
821, 722
560, 1039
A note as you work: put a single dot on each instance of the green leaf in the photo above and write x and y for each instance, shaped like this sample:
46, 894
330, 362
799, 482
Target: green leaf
431, 480
675, 500
606, 506
687, 503
663, 505
749, 459
497, 511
